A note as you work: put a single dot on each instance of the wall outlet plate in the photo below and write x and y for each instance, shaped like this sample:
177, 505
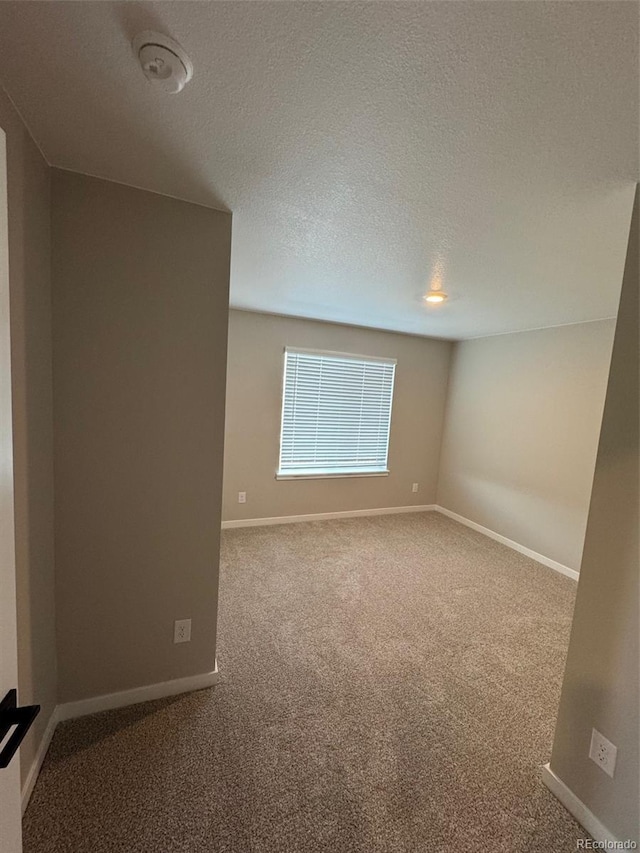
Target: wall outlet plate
242, 497
182, 631
414, 487
603, 752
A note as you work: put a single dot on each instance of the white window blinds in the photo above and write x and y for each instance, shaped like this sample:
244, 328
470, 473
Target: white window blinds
336, 414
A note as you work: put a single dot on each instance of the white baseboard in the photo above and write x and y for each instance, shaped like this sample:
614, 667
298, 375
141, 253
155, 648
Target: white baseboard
358, 513
36, 764
71, 710
540, 558
586, 818
323, 516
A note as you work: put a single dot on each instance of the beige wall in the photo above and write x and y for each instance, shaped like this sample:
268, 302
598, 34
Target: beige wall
601, 685
30, 287
521, 432
139, 341
256, 352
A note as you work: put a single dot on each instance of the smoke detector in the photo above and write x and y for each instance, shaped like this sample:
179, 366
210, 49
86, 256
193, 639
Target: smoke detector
163, 61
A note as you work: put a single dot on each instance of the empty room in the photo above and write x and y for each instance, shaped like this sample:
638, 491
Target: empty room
320, 426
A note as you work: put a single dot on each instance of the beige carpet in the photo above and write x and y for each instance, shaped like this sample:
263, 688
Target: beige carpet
389, 686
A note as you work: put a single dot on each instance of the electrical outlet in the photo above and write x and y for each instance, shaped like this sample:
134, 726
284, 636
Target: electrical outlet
414, 487
182, 631
242, 497
603, 752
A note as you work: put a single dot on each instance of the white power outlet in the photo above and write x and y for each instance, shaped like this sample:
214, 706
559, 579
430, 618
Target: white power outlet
414, 487
603, 752
182, 631
242, 497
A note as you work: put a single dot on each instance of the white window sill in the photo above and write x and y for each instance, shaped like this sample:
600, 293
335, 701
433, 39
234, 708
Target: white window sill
326, 475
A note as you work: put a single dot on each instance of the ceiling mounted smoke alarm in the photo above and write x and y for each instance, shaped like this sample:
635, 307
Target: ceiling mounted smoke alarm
163, 61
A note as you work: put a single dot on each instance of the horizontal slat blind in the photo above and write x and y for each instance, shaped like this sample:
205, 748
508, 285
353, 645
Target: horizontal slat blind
336, 413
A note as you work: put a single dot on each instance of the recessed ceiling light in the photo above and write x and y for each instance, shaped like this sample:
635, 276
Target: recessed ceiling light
435, 296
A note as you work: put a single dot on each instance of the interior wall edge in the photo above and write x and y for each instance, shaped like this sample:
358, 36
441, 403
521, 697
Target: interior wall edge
140, 286
601, 684
29, 207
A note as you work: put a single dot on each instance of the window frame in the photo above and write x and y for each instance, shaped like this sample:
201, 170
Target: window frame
329, 475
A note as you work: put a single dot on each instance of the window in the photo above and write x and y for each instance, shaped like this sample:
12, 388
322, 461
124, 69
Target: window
336, 414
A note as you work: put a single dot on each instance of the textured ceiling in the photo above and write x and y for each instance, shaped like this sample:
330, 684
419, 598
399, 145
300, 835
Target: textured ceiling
365, 148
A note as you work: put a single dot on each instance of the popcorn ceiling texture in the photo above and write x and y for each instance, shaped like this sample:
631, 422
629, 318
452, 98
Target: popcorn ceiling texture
365, 148
390, 684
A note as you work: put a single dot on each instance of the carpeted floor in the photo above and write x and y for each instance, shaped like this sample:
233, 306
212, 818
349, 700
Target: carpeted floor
389, 685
